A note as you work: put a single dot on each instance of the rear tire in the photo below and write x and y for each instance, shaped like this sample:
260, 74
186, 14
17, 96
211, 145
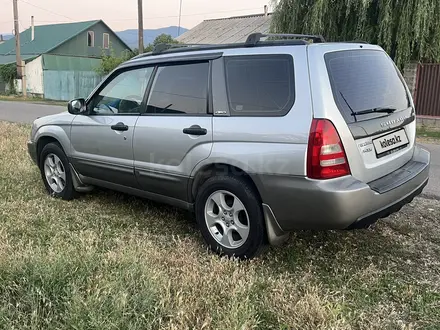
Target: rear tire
230, 217
56, 173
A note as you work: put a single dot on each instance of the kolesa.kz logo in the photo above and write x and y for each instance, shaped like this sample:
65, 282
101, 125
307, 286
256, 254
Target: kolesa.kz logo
390, 142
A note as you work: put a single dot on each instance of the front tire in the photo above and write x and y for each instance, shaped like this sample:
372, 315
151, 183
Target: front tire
55, 172
230, 217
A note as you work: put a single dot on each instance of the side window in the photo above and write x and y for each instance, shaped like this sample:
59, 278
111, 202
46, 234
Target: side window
260, 85
105, 41
180, 89
91, 39
123, 94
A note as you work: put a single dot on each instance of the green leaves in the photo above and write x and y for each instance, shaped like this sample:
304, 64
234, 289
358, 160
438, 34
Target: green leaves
407, 29
161, 39
8, 72
111, 61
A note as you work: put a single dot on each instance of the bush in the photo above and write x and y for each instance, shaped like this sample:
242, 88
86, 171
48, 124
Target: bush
111, 61
8, 73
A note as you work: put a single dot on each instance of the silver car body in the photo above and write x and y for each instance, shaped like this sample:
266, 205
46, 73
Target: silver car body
154, 159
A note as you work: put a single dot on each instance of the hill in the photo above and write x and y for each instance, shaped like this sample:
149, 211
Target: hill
7, 36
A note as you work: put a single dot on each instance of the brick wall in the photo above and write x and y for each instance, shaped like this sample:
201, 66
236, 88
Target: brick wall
410, 76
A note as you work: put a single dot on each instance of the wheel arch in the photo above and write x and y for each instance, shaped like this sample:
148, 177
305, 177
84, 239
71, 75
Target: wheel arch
209, 170
49, 134
274, 234
42, 142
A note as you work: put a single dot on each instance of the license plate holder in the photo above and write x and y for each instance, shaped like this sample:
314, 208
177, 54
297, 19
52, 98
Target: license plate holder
390, 142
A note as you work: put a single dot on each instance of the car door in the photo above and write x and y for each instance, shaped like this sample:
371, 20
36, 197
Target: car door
175, 132
102, 140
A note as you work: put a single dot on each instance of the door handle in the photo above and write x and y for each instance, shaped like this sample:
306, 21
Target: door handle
195, 130
119, 127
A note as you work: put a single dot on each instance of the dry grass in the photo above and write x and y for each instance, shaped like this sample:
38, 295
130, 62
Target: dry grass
111, 261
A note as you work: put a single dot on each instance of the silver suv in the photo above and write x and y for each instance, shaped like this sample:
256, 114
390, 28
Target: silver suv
257, 139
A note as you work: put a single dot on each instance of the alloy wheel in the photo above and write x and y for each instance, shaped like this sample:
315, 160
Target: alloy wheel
227, 219
55, 173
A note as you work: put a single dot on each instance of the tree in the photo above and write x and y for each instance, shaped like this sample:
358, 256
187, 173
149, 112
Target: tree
8, 73
406, 29
110, 61
161, 39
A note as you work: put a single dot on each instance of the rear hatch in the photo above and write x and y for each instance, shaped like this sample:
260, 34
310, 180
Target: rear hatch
375, 106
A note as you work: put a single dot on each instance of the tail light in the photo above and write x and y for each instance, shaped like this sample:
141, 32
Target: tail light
326, 158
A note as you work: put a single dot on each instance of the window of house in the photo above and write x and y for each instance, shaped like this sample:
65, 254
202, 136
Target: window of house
105, 41
91, 39
180, 89
123, 94
260, 85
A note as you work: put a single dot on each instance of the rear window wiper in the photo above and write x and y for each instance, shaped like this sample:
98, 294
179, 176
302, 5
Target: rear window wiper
374, 110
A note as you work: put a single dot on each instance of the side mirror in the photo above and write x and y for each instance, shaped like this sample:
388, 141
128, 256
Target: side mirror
77, 106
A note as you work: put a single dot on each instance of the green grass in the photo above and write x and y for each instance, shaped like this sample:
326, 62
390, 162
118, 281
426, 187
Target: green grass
111, 261
423, 132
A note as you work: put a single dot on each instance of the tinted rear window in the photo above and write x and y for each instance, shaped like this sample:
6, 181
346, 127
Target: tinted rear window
365, 79
260, 85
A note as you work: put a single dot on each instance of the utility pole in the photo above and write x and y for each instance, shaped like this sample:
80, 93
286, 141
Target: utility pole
20, 69
140, 27
180, 16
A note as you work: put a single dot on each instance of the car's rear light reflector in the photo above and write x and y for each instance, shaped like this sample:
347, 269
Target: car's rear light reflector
326, 158
332, 162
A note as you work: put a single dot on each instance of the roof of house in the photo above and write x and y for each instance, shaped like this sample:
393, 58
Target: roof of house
227, 30
7, 59
47, 38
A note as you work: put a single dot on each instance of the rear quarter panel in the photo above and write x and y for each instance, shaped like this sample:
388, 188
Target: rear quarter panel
265, 145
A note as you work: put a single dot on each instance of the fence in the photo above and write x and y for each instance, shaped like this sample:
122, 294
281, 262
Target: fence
67, 85
427, 95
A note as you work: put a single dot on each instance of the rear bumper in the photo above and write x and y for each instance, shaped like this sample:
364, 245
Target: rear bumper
32, 150
301, 203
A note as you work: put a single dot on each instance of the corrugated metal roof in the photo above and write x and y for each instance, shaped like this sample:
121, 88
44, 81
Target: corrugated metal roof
47, 37
226, 30
8, 59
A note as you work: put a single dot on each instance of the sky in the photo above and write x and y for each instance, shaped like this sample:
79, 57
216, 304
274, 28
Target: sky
122, 15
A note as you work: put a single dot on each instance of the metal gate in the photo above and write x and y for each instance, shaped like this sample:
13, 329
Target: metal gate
427, 98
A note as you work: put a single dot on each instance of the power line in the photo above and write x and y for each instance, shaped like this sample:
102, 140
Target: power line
39, 21
186, 15
126, 19
49, 11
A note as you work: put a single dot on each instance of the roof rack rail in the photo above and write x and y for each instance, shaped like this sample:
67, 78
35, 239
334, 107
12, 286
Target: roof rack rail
160, 48
254, 38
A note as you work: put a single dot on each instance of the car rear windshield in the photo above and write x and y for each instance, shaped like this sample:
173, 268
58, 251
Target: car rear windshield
364, 80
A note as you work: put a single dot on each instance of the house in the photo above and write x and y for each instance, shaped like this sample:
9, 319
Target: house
61, 58
227, 30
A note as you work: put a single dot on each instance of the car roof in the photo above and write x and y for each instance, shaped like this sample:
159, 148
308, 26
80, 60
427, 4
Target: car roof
211, 52
172, 52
